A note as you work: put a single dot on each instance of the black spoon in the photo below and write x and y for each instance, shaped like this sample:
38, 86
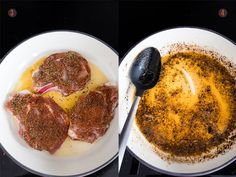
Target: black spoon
144, 74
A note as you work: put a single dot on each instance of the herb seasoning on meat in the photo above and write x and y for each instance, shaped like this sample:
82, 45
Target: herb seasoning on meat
66, 72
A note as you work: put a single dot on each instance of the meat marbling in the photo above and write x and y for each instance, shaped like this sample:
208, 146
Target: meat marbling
43, 124
65, 72
92, 114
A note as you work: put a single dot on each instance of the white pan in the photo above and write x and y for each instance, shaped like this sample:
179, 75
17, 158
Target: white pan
80, 159
137, 144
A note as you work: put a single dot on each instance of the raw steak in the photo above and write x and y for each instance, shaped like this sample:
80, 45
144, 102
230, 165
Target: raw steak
66, 72
43, 124
92, 114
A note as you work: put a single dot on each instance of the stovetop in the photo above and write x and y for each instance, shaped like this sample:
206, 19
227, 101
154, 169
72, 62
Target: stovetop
21, 19
95, 17
139, 19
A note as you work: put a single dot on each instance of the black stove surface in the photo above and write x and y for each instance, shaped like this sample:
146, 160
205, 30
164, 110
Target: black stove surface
139, 19
95, 17
131, 167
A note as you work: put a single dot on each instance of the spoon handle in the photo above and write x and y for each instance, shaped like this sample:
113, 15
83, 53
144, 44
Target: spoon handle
124, 135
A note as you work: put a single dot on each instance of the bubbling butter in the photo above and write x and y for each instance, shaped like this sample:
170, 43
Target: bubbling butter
192, 108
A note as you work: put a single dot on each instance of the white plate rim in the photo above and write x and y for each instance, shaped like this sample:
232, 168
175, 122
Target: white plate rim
143, 161
15, 160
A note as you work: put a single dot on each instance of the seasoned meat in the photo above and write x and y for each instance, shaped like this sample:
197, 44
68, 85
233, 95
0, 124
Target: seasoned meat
92, 114
66, 72
43, 124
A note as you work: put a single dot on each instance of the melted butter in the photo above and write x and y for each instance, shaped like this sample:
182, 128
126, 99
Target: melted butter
224, 114
98, 78
71, 147
192, 102
26, 82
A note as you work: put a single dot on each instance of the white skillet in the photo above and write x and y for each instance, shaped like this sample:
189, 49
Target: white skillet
137, 144
103, 151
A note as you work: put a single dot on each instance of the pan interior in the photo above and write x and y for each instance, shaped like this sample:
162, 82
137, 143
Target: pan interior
190, 114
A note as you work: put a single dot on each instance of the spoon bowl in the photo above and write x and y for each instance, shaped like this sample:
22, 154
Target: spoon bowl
145, 71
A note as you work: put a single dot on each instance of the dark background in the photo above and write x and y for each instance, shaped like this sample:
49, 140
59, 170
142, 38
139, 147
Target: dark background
96, 17
139, 19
